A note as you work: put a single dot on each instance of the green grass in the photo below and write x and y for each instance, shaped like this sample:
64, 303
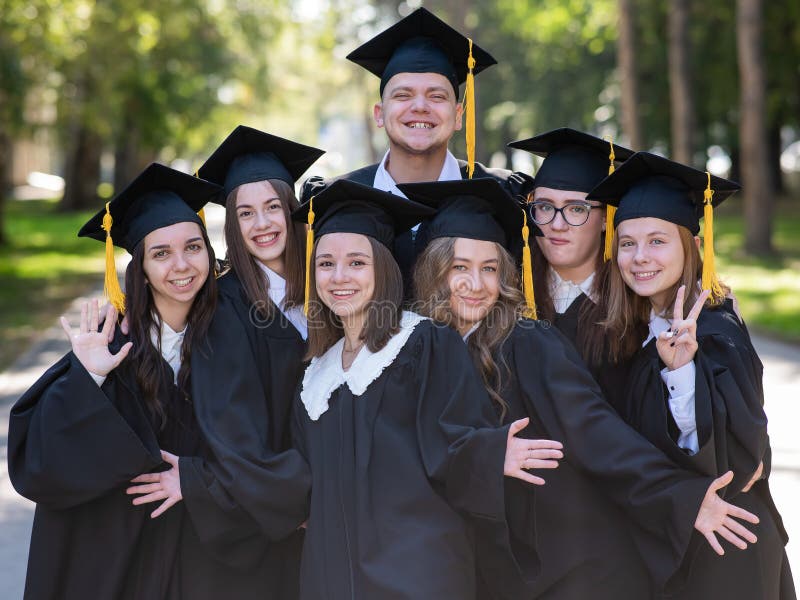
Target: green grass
768, 290
42, 269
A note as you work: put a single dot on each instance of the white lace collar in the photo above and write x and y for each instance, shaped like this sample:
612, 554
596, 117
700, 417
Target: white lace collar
325, 374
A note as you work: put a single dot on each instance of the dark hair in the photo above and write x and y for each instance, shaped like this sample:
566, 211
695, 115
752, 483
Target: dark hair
149, 368
432, 292
245, 265
383, 311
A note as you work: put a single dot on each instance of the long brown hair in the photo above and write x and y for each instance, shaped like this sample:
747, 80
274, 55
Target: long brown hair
432, 293
628, 312
383, 311
245, 265
149, 367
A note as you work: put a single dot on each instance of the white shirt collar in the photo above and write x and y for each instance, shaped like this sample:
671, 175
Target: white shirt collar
171, 342
384, 181
657, 326
564, 292
472, 330
324, 375
277, 293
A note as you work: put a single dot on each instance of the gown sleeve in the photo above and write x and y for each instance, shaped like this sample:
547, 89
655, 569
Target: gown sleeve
69, 442
661, 499
463, 451
242, 489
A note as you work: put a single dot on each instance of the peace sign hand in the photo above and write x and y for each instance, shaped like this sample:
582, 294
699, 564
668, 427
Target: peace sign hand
678, 345
89, 345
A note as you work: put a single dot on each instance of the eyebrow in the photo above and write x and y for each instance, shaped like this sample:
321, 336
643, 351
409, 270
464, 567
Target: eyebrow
488, 260
272, 199
408, 88
567, 201
328, 255
165, 246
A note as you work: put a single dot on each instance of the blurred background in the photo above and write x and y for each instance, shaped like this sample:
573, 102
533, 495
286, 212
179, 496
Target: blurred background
91, 92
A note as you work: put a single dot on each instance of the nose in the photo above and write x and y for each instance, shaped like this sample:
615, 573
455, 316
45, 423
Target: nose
340, 273
420, 103
181, 264
559, 223
640, 256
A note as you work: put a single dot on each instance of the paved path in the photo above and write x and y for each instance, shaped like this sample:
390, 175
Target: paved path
782, 388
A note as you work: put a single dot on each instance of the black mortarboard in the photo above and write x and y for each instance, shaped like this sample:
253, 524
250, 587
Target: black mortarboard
249, 155
478, 209
420, 43
158, 197
349, 207
648, 185
573, 160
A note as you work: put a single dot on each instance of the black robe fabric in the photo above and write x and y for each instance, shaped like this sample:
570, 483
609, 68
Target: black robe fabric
73, 449
612, 496
406, 477
732, 435
612, 377
409, 245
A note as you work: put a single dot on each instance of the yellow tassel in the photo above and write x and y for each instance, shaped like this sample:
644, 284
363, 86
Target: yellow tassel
610, 211
469, 113
201, 213
111, 283
710, 280
309, 250
527, 271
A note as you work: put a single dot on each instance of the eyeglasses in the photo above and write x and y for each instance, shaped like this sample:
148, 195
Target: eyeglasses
574, 213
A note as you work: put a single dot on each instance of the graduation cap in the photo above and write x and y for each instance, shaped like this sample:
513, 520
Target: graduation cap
577, 161
648, 185
478, 209
249, 155
158, 197
423, 43
349, 207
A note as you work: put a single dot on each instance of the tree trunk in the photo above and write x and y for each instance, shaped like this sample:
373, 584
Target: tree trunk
6, 159
756, 172
680, 85
82, 171
775, 147
626, 60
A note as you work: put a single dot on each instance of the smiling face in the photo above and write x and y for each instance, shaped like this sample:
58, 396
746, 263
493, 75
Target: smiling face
420, 112
344, 273
176, 265
473, 280
571, 250
650, 258
262, 222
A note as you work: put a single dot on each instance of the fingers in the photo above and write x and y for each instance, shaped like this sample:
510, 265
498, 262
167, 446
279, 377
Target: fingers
153, 497
545, 454
168, 503
714, 543
123, 352
143, 489
544, 444
84, 327
518, 426
167, 457
740, 513
720, 482
123, 326
732, 538
677, 310
146, 478
698, 305
536, 463
94, 318
525, 476
740, 530
108, 323
66, 327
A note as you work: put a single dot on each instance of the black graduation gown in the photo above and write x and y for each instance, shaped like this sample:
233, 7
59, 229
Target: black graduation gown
732, 435
612, 490
410, 244
244, 381
611, 377
403, 476
73, 449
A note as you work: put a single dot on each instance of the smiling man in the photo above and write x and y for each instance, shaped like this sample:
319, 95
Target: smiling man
421, 62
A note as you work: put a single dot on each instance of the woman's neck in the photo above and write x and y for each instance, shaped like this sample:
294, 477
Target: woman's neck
173, 314
353, 326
